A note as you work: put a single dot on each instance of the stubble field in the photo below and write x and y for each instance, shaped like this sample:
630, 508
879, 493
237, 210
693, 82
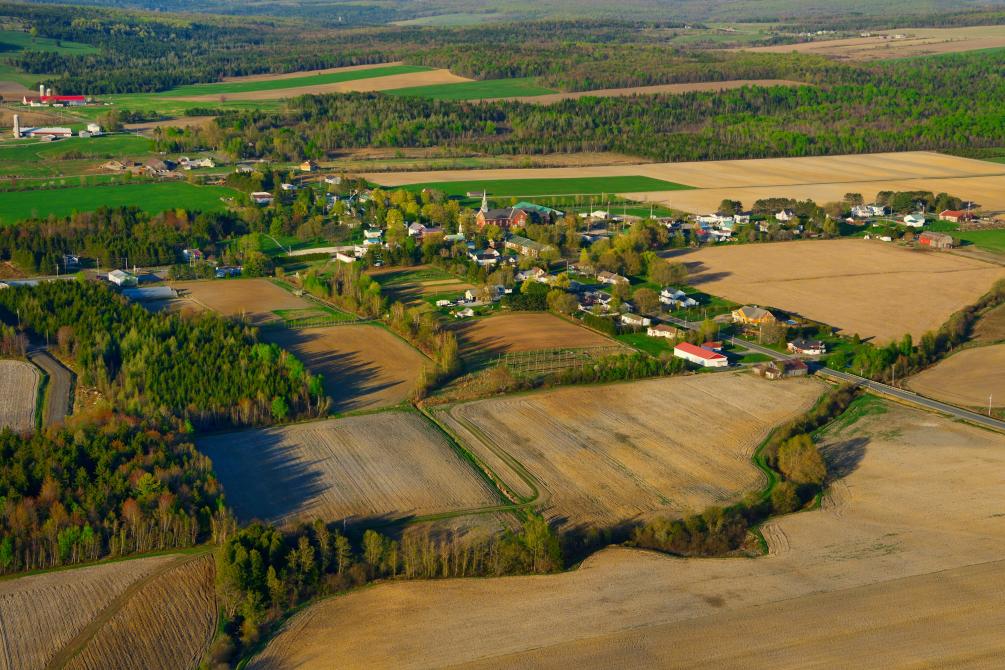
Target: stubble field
991, 327
364, 367
384, 465
522, 331
899, 563
255, 299
867, 287
18, 392
969, 378
53, 617
601, 456
915, 42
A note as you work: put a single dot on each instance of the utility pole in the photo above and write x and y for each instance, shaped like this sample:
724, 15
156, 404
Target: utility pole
989, 404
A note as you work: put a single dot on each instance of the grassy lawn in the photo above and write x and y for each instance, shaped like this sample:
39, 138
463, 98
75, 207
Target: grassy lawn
222, 88
992, 240
411, 276
31, 158
475, 90
653, 346
544, 187
319, 314
155, 197
755, 358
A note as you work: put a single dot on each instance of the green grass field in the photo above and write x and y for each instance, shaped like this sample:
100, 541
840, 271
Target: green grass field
411, 276
222, 88
71, 156
544, 187
15, 40
155, 197
476, 90
654, 346
992, 240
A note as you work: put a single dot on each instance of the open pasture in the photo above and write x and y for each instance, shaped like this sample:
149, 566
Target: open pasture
522, 331
41, 614
613, 454
364, 366
255, 299
385, 465
898, 563
868, 287
150, 197
969, 378
551, 98
911, 43
71, 156
19, 383
489, 89
259, 83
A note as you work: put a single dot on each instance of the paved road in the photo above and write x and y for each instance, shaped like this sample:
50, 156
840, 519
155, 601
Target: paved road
58, 402
878, 387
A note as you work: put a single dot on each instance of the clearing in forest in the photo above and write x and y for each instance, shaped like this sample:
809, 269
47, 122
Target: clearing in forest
523, 331
255, 299
971, 378
19, 383
872, 288
386, 465
898, 563
602, 456
364, 366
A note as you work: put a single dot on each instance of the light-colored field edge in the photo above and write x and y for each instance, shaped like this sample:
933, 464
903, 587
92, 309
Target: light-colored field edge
690, 87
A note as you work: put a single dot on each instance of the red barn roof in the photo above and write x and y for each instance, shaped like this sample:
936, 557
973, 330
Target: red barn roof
695, 350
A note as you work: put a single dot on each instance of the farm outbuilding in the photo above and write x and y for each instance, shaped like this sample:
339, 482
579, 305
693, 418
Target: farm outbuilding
122, 278
936, 240
700, 355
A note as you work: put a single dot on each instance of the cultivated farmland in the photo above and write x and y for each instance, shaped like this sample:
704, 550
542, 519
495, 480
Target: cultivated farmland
539, 187
411, 285
522, 331
167, 622
898, 563
602, 456
551, 98
256, 299
969, 378
867, 287
41, 614
364, 366
476, 90
19, 383
390, 464
991, 327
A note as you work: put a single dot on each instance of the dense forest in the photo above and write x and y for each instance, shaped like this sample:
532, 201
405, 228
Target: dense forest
105, 486
205, 369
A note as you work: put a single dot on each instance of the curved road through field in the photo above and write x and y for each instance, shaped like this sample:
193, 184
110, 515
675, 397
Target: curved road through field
58, 402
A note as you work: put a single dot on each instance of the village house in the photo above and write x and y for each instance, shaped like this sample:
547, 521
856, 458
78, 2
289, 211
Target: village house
591, 300
752, 315
956, 215
700, 356
419, 230
792, 367
936, 240
533, 274
807, 347
372, 236
333, 180
611, 278
308, 166
635, 320
914, 220
663, 330
525, 246
677, 298
485, 257
785, 215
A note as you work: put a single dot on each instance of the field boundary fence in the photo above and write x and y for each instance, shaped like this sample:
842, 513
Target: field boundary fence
540, 362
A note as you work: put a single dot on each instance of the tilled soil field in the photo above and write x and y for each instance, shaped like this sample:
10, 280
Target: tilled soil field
252, 298
523, 331
19, 383
970, 378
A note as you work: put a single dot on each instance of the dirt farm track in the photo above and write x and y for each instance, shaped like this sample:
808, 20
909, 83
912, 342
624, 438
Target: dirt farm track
820, 178
897, 569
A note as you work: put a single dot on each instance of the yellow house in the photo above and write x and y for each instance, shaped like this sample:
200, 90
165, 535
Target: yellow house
753, 315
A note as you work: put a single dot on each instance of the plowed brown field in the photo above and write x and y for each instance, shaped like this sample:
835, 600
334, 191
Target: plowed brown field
389, 464
970, 378
523, 331
902, 566
867, 287
606, 455
18, 392
252, 298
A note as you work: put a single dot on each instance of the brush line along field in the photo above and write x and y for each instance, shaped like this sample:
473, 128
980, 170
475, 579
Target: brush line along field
364, 367
385, 465
156, 197
538, 187
19, 383
971, 378
898, 563
867, 287
666, 447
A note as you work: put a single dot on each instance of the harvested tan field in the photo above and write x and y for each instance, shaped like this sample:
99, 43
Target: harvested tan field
523, 331
912, 42
18, 392
364, 367
41, 614
603, 456
254, 299
307, 73
867, 287
991, 327
901, 566
167, 622
390, 464
386, 83
552, 98
820, 178
28, 117
13, 90
967, 378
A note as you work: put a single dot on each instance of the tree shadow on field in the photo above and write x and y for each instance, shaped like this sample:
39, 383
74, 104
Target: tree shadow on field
844, 457
264, 477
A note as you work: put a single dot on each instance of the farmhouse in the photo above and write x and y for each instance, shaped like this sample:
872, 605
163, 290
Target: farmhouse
752, 315
792, 367
700, 356
372, 236
485, 257
525, 247
936, 240
533, 274
807, 347
677, 298
122, 278
611, 278
785, 215
308, 166
663, 330
635, 320
956, 215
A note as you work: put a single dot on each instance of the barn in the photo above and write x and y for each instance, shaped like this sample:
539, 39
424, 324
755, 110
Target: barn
936, 240
700, 355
